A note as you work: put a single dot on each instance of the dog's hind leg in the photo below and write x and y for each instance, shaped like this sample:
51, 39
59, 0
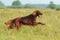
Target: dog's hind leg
11, 26
18, 25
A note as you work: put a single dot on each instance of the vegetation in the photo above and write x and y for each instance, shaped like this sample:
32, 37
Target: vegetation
50, 31
29, 6
1, 5
16, 4
52, 5
58, 8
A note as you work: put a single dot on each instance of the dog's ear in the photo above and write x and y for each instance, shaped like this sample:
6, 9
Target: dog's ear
34, 13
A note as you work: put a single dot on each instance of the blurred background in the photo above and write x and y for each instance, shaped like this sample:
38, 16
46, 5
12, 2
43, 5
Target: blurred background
11, 9
53, 4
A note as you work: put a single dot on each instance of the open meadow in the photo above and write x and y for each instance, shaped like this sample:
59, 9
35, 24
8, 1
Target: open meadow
49, 31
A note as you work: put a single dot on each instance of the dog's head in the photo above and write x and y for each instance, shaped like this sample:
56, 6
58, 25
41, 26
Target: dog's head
37, 13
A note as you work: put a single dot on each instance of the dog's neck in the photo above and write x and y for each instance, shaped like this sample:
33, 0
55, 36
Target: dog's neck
32, 16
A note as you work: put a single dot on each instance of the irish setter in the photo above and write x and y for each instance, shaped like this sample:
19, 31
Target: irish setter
27, 20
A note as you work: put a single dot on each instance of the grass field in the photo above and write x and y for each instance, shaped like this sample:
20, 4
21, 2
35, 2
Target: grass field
50, 31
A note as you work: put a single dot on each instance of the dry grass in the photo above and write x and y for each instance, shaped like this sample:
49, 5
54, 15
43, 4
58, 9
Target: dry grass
50, 31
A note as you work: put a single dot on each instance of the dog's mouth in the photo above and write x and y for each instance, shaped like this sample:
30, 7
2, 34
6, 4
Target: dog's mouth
39, 15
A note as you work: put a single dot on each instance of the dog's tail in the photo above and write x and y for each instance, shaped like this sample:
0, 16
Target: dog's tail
8, 22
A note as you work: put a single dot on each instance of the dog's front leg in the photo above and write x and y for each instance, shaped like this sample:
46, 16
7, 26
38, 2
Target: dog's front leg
41, 23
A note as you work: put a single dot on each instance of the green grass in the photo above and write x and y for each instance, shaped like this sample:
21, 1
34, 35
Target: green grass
50, 31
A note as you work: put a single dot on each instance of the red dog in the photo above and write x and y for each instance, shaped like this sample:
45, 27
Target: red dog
27, 20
